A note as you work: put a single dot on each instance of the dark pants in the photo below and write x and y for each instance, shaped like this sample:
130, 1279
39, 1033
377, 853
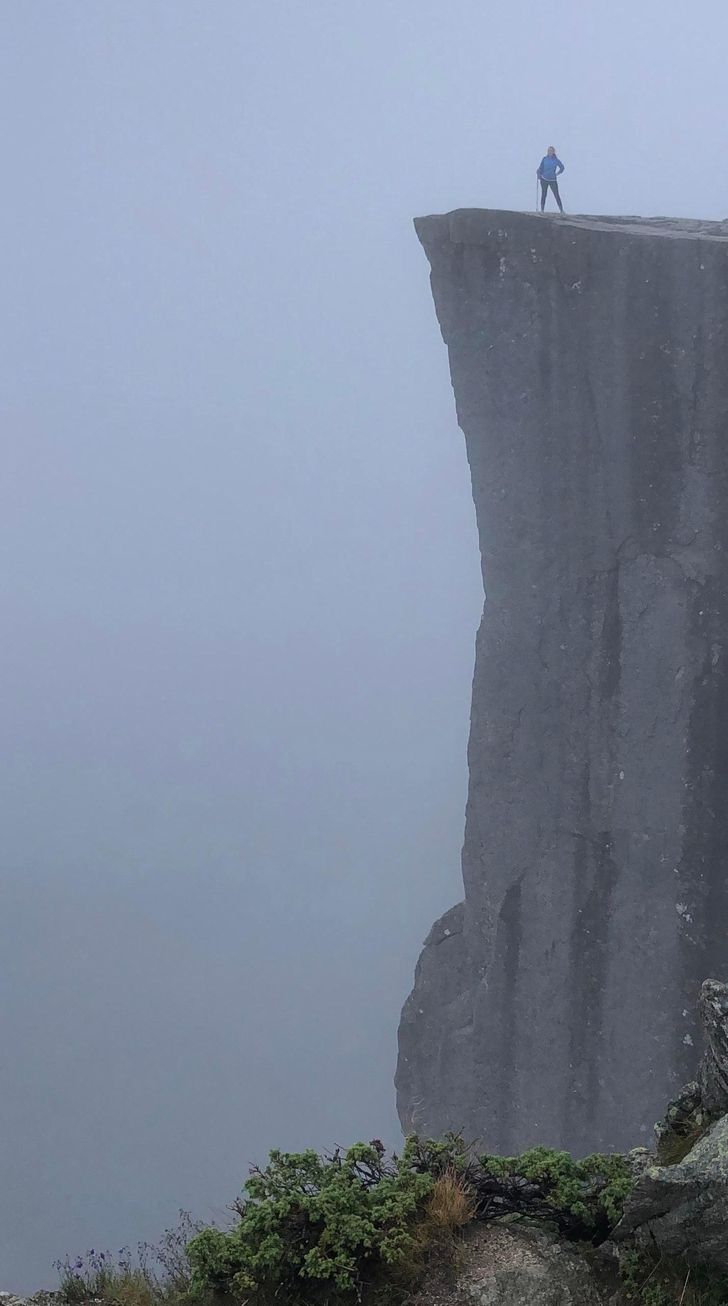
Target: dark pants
554, 185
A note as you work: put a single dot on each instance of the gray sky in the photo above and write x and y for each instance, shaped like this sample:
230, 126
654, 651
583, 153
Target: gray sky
240, 579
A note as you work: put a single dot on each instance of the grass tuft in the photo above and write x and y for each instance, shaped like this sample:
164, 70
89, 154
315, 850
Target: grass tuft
450, 1206
674, 1146
649, 1279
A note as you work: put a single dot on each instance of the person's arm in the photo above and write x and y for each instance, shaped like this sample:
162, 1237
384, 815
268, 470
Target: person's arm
560, 166
538, 170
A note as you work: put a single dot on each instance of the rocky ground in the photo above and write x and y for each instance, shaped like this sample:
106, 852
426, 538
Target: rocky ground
513, 1265
38, 1299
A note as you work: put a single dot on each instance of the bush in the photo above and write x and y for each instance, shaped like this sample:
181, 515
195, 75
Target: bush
356, 1226
584, 1199
333, 1229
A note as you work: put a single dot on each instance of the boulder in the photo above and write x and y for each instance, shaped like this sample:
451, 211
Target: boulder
511, 1265
683, 1209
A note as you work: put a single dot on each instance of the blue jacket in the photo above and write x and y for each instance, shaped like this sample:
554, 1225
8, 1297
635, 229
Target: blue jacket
550, 167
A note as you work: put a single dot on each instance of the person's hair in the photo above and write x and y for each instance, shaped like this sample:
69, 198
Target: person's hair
551, 147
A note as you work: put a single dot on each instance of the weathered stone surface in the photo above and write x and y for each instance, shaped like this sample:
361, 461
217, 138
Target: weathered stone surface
713, 1068
705, 1098
684, 1120
511, 1266
42, 1298
683, 1209
442, 978
588, 360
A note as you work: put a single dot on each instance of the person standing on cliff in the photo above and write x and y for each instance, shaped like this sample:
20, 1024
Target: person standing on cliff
548, 170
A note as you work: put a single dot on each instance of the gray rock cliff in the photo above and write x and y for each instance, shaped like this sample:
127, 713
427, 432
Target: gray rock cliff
588, 358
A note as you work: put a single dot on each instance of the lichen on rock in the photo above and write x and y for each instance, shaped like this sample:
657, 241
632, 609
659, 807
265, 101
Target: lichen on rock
510, 1265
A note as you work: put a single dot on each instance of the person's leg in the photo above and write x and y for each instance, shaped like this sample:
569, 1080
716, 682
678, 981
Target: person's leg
544, 193
555, 189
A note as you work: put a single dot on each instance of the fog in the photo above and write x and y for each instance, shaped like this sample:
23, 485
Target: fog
240, 576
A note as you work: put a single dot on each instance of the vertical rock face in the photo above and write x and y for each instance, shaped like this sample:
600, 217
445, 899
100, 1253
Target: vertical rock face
589, 361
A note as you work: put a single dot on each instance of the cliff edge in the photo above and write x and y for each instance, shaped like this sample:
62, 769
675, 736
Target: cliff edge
588, 361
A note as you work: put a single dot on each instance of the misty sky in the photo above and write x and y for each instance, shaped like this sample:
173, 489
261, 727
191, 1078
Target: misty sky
240, 579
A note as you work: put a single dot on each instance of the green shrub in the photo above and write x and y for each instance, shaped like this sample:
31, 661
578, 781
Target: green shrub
585, 1198
326, 1229
358, 1227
